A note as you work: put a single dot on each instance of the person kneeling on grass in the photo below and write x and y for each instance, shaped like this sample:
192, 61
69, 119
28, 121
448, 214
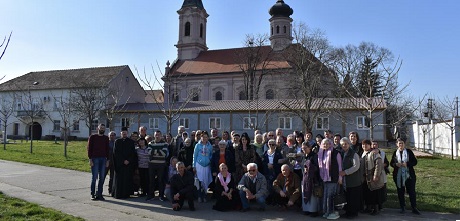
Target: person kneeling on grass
182, 188
253, 185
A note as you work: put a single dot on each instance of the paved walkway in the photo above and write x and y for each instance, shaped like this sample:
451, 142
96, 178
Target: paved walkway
68, 191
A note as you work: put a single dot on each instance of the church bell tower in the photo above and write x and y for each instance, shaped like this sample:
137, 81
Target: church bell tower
192, 29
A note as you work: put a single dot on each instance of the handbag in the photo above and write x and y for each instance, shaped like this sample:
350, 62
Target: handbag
196, 183
318, 190
340, 199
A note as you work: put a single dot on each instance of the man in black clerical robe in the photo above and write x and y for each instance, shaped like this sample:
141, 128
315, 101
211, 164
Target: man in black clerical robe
124, 161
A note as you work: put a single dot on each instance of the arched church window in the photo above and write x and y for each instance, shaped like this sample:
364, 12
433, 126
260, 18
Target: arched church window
201, 30
277, 29
269, 94
196, 97
187, 29
218, 96
285, 29
271, 30
242, 95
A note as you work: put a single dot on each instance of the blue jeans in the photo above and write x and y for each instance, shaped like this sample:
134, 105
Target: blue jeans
245, 202
98, 169
330, 190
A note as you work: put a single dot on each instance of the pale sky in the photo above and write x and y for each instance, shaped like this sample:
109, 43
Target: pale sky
68, 34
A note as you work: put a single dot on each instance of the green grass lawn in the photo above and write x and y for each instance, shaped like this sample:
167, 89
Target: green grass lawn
15, 209
438, 179
47, 153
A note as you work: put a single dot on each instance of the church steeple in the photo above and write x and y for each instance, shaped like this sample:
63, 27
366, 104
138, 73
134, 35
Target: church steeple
192, 29
280, 25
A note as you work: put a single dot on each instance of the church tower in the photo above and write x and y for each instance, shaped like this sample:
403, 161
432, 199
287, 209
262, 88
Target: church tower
192, 30
280, 25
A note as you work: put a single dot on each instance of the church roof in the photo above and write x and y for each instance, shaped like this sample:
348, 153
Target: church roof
262, 105
193, 3
224, 61
64, 79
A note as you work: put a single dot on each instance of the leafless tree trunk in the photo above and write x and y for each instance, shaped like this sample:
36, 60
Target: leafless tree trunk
6, 111
88, 102
64, 107
445, 111
254, 61
348, 63
170, 107
30, 111
310, 78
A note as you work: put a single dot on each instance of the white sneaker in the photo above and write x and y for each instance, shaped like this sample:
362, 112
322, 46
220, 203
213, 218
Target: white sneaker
325, 215
333, 216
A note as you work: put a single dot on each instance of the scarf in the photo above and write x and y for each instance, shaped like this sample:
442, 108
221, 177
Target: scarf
225, 182
324, 159
403, 173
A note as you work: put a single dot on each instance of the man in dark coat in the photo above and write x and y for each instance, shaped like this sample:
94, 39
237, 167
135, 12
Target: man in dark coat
182, 188
124, 157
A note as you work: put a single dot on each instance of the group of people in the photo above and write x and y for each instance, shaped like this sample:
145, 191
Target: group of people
293, 171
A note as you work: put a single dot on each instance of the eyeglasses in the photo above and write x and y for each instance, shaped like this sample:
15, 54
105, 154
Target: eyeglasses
252, 170
271, 135
271, 144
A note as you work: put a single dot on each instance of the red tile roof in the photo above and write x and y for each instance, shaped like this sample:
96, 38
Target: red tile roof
224, 61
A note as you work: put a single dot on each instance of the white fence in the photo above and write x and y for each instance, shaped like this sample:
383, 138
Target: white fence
436, 137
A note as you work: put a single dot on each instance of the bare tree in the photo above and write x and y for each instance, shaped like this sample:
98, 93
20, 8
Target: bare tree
115, 104
255, 62
88, 102
4, 44
64, 107
368, 72
170, 107
311, 83
6, 111
445, 110
29, 109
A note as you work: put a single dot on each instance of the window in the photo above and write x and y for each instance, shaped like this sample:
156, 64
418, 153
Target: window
56, 125
125, 122
249, 122
76, 126
242, 95
285, 123
269, 94
218, 96
201, 30
284, 29
322, 123
187, 29
195, 97
18, 103
184, 122
271, 30
175, 97
214, 122
94, 125
277, 29
362, 122
15, 129
56, 105
154, 123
